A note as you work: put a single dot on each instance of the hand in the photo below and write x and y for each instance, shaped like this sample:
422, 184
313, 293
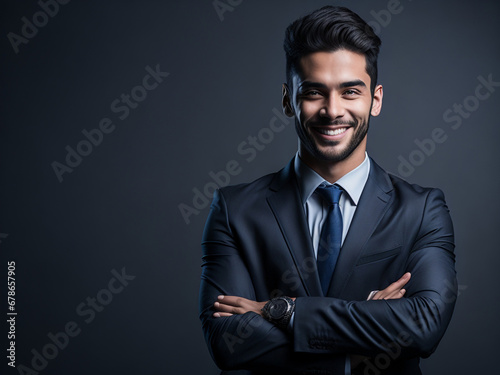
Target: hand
395, 290
230, 305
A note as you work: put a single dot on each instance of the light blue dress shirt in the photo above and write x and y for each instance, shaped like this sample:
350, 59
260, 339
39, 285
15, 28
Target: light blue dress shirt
316, 210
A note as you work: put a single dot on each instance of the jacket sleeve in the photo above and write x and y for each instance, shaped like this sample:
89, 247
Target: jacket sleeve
243, 341
415, 323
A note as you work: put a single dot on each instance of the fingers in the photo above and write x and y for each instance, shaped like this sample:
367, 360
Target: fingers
233, 301
223, 308
396, 294
404, 279
383, 294
397, 285
221, 314
395, 290
231, 305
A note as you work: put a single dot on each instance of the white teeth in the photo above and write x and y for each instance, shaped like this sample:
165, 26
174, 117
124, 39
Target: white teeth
332, 132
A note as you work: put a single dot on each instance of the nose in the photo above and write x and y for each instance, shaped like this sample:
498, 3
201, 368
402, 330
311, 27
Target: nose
333, 108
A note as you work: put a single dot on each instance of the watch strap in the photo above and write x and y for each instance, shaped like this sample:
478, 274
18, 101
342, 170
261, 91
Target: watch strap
287, 316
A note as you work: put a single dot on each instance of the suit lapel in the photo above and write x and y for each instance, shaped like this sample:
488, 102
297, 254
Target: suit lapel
372, 205
287, 208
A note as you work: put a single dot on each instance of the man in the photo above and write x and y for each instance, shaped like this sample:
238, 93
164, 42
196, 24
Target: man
293, 262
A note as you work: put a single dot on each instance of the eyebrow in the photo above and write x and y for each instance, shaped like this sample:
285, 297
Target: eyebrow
357, 82
309, 84
343, 85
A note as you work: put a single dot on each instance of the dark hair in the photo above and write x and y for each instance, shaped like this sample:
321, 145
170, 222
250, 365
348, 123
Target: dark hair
327, 30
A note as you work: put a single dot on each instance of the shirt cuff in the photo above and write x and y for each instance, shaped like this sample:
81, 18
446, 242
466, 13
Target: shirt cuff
372, 294
290, 324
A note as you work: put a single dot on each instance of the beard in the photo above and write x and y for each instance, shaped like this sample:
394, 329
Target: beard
329, 153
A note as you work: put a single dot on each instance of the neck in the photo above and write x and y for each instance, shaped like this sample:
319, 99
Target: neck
332, 171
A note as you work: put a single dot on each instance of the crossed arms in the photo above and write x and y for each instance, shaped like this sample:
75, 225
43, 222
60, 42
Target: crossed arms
231, 305
326, 329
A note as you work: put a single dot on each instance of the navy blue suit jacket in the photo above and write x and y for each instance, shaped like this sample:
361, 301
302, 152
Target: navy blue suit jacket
257, 245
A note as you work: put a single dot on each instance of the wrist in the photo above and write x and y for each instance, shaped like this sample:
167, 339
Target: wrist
279, 311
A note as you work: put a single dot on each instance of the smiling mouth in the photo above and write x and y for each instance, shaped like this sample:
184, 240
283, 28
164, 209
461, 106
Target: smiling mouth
326, 131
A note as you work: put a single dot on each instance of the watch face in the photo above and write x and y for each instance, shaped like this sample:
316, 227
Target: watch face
278, 309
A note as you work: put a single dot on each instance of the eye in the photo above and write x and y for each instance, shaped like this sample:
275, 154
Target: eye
312, 93
350, 92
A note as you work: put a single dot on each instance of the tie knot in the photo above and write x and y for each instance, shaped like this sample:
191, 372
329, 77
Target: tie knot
330, 193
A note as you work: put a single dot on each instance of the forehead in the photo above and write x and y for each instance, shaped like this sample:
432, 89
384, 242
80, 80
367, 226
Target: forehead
333, 67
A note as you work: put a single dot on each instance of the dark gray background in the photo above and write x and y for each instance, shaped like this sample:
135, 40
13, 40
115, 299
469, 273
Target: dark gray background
119, 207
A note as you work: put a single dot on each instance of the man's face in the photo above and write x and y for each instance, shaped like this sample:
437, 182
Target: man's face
332, 103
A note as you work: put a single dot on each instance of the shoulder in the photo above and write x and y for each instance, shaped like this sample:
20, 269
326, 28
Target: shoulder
426, 205
406, 193
250, 190
404, 187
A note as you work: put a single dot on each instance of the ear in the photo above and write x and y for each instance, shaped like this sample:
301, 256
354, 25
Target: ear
286, 101
377, 100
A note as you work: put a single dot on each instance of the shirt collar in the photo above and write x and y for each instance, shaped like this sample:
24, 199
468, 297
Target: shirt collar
353, 182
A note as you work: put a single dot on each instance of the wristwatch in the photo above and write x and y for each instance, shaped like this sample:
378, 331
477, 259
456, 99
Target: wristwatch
279, 311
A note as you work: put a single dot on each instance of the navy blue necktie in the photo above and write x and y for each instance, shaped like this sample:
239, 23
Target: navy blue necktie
331, 235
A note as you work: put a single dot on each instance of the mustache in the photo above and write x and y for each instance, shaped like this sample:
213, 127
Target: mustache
334, 123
